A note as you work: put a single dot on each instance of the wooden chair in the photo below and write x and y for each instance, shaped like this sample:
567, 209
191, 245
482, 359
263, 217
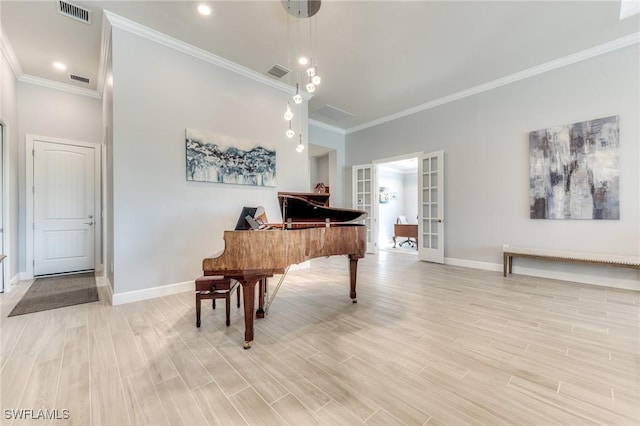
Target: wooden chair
215, 287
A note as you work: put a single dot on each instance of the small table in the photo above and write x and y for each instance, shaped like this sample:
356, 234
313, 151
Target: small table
407, 230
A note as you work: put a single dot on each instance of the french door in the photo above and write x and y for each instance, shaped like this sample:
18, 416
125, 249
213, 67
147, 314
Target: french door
364, 191
431, 199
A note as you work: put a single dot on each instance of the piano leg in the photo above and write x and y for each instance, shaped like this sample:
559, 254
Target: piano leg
261, 292
248, 297
353, 273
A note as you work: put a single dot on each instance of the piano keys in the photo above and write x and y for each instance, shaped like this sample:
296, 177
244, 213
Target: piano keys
309, 230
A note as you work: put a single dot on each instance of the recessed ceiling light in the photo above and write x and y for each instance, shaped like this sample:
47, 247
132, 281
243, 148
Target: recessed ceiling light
59, 66
303, 60
204, 10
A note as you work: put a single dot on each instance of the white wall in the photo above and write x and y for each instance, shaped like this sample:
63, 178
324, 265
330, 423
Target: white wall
50, 112
336, 163
323, 170
107, 164
389, 212
163, 225
319, 171
485, 140
9, 118
410, 200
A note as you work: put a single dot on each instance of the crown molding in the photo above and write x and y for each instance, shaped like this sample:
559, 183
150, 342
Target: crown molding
629, 8
26, 78
326, 126
9, 53
611, 46
158, 37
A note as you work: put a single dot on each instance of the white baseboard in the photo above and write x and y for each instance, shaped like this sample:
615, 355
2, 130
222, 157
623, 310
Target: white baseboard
151, 293
12, 282
166, 290
472, 264
25, 277
585, 278
103, 281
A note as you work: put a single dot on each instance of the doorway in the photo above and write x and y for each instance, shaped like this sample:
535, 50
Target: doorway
63, 207
369, 194
398, 205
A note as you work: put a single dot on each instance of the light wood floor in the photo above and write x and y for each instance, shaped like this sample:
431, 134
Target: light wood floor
425, 344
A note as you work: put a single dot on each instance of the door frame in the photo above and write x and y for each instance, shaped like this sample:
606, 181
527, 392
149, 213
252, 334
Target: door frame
28, 190
5, 269
376, 164
372, 232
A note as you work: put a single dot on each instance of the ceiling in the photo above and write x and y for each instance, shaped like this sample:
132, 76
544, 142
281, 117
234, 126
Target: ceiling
409, 165
376, 58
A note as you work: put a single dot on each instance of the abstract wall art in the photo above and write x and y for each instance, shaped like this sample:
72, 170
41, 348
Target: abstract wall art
223, 159
573, 171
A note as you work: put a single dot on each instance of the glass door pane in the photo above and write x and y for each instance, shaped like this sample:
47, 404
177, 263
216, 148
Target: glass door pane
432, 213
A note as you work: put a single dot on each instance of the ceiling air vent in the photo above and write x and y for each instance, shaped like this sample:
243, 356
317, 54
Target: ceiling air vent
75, 12
79, 78
333, 113
278, 71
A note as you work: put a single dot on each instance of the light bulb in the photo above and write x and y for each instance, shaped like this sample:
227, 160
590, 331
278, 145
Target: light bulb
316, 79
59, 66
311, 71
311, 87
297, 98
204, 10
303, 60
300, 148
290, 133
288, 115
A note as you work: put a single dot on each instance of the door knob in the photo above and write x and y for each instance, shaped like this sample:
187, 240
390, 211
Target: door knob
88, 223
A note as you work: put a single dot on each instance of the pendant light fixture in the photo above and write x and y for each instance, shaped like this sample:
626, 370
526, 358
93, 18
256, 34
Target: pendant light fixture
305, 62
300, 146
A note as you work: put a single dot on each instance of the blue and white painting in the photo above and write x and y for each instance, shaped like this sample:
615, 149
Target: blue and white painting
224, 159
574, 172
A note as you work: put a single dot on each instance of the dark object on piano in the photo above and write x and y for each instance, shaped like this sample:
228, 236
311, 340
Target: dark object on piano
317, 231
311, 209
243, 224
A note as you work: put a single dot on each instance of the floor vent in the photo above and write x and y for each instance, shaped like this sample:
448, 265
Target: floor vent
79, 78
75, 12
278, 71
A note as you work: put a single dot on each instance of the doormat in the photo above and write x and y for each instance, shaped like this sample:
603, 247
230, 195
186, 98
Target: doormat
57, 292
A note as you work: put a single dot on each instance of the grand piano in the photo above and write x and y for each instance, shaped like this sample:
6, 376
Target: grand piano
309, 229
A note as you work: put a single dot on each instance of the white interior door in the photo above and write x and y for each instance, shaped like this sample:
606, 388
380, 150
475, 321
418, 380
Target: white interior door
2, 189
364, 198
430, 225
64, 208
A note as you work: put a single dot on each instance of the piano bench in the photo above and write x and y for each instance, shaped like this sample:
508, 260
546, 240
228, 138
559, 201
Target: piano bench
215, 287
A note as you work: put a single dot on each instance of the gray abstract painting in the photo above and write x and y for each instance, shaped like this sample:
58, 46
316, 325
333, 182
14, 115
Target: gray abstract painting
573, 171
223, 159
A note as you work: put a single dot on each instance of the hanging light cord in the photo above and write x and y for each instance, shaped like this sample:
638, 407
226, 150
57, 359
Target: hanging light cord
270, 299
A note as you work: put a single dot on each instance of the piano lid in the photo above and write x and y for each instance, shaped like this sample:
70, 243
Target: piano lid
312, 208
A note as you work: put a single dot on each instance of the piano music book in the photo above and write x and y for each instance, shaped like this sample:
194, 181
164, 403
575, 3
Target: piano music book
243, 224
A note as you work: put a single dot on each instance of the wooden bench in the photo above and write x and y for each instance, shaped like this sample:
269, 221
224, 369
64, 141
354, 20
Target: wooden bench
215, 287
508, 253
